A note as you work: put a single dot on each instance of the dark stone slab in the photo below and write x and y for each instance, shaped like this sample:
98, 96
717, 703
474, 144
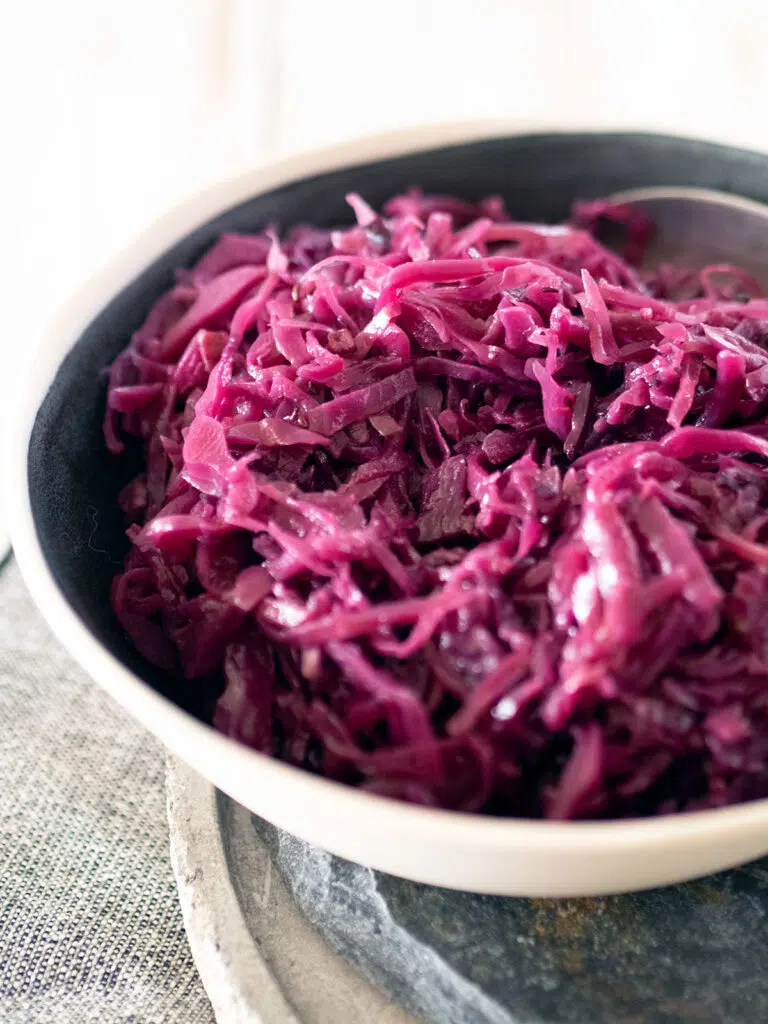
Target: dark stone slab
689, 953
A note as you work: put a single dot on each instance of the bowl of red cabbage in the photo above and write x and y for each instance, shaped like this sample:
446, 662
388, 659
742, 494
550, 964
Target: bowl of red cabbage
392, 491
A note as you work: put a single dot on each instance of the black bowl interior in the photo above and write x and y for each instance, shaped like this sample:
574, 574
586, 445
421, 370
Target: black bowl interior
73, 481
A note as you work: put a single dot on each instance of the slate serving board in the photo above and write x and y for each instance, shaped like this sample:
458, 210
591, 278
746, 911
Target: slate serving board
284, 933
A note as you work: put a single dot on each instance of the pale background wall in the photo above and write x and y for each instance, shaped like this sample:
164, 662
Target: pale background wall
111, 111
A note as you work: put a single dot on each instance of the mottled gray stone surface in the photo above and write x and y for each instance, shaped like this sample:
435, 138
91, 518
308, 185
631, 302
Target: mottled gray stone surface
692, 952
346, 945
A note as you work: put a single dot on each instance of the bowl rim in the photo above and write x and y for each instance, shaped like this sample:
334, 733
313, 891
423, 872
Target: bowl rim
184, 735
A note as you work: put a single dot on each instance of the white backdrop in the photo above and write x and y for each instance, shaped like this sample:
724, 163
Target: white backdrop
113, 111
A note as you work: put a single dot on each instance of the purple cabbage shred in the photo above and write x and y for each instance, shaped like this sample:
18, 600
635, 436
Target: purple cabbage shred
459, 510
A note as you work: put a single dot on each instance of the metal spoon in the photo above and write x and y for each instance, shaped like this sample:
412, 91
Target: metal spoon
696, 227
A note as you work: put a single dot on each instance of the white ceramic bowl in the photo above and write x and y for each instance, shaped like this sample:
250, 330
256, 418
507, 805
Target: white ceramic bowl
65, 571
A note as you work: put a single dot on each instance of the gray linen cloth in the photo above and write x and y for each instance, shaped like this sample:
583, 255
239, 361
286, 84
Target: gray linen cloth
90, 925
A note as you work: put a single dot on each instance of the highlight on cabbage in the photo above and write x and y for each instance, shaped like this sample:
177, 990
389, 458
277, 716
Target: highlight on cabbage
460, 510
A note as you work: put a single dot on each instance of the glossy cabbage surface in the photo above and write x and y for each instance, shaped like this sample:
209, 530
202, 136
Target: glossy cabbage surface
460, 510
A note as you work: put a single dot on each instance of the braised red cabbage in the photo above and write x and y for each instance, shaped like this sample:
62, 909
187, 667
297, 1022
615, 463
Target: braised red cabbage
460, 510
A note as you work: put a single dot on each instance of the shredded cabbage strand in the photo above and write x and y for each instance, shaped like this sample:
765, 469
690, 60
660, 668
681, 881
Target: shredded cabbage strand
460, 510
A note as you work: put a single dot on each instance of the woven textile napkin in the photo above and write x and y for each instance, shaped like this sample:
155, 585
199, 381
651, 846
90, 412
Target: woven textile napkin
90, 926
